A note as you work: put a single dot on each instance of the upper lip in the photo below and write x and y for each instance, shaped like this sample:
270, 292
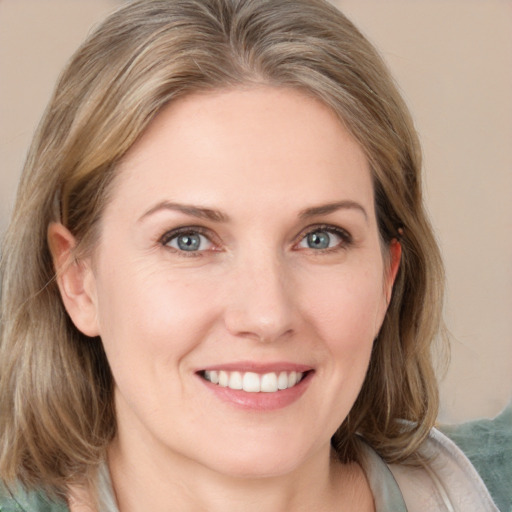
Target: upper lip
258, 367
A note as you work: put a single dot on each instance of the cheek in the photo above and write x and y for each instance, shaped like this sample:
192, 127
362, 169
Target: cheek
346, 307
144, 315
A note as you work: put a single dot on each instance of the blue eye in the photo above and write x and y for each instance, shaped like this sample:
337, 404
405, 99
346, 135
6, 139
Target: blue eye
189, 241
323, 238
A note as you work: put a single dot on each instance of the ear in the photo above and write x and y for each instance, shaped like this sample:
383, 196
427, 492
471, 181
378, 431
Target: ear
395, 256
75, 280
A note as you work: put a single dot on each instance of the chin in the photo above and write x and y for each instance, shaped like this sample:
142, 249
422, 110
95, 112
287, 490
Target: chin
263, 460
258, 468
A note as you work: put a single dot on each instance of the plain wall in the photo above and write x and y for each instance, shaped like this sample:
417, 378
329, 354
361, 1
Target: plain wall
453, 62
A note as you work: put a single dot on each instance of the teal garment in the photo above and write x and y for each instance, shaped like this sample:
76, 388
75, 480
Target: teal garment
21, 501
488, 445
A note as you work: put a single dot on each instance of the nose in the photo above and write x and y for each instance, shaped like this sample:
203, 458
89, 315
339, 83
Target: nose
260, 305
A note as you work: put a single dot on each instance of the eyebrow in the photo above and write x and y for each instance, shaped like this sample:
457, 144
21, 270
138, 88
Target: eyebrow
331, 208
218, 216
188, 209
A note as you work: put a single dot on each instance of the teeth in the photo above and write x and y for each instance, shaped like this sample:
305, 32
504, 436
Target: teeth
223, 379
235, 380
254, 382
269, 383
282, 381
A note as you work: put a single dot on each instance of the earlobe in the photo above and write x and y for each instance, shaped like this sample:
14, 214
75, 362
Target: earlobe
75, 280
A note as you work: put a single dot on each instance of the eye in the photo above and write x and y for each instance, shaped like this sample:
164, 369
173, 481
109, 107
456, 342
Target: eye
188, 240
324, 238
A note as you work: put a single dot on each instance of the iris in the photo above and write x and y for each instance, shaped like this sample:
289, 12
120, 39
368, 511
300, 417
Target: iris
189, 242
318, 240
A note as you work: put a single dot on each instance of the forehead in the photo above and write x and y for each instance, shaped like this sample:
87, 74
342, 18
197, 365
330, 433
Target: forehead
241, 143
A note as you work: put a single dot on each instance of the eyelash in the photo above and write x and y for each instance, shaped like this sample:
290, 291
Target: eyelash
345, 237
186, 230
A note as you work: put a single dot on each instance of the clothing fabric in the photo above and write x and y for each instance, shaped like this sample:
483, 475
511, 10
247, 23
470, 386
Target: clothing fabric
488, 445
445, 482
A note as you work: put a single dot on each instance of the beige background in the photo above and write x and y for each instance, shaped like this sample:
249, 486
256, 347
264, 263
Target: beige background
453, 61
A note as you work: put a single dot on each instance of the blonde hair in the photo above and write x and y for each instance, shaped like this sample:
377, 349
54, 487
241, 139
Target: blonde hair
57, 413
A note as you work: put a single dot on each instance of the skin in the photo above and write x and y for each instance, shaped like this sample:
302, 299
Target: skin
255, 291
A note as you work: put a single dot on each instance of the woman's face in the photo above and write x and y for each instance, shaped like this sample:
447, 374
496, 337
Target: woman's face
239, 249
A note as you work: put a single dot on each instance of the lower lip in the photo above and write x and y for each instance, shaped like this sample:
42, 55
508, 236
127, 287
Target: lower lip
260, 401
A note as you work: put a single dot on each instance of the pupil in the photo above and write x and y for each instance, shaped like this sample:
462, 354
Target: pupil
318, 240
189, 242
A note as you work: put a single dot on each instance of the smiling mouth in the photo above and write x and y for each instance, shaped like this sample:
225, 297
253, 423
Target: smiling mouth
252, 382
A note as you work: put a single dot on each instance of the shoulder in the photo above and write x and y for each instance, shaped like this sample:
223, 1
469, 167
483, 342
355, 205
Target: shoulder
19, 500
444, 480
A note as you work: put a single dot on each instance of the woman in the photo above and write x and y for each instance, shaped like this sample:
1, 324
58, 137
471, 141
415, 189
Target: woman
220, 288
